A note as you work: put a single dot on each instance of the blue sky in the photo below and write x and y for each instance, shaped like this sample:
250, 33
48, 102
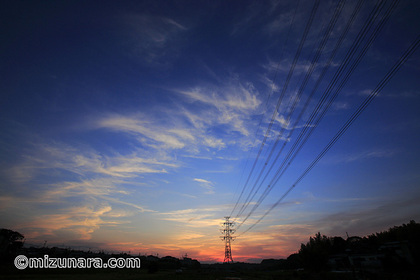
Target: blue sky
133, 126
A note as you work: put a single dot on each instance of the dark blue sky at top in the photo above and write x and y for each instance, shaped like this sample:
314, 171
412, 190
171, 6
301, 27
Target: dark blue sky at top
66, 58
147, 101
81, 44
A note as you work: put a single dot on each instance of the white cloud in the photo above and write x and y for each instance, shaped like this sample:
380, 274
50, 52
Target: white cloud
137, 126
202, 181
284, 67
162, 135
204, 119
84, 162
197, 217
375, 153
78, 222
283, 122
148, 36
62, 173
269, 83
365, 92
209, 186
214, 143
340, 105
369, 155
232, 105
233, 97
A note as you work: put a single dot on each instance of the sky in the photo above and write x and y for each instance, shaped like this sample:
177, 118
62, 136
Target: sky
137, 126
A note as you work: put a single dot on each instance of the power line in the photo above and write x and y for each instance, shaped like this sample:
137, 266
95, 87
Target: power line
266, 105
291, 70
320, 78
297, 97
347, 75
302, 138
390, 74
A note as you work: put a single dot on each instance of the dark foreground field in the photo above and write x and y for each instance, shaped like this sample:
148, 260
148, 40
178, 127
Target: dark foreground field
206, 274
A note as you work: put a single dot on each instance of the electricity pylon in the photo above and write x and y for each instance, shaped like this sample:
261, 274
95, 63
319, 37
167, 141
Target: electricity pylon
227, 237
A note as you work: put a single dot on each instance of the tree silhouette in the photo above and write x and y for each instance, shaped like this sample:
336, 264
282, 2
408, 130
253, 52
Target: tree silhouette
315, 253
10, 242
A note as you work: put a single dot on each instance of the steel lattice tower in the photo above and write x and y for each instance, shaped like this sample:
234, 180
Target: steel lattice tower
228, 238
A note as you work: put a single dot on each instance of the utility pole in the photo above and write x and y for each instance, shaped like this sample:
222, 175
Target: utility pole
227, 237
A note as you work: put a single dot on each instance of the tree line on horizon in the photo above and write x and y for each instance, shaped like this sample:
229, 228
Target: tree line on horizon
11, 245
317, 254
397, 248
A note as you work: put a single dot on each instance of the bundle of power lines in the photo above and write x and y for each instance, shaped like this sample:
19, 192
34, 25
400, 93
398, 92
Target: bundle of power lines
276, 164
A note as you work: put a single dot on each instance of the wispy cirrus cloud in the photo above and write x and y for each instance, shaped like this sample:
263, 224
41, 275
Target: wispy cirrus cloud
370, 154
64, 172
209, 186
231, 105
61, 174
78, 222
161, 135
375, 153
205, 118
58, 156
88, 190
200, 218
394, 94
241, 98
80, 209
283, 67
147, 37
147, 130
